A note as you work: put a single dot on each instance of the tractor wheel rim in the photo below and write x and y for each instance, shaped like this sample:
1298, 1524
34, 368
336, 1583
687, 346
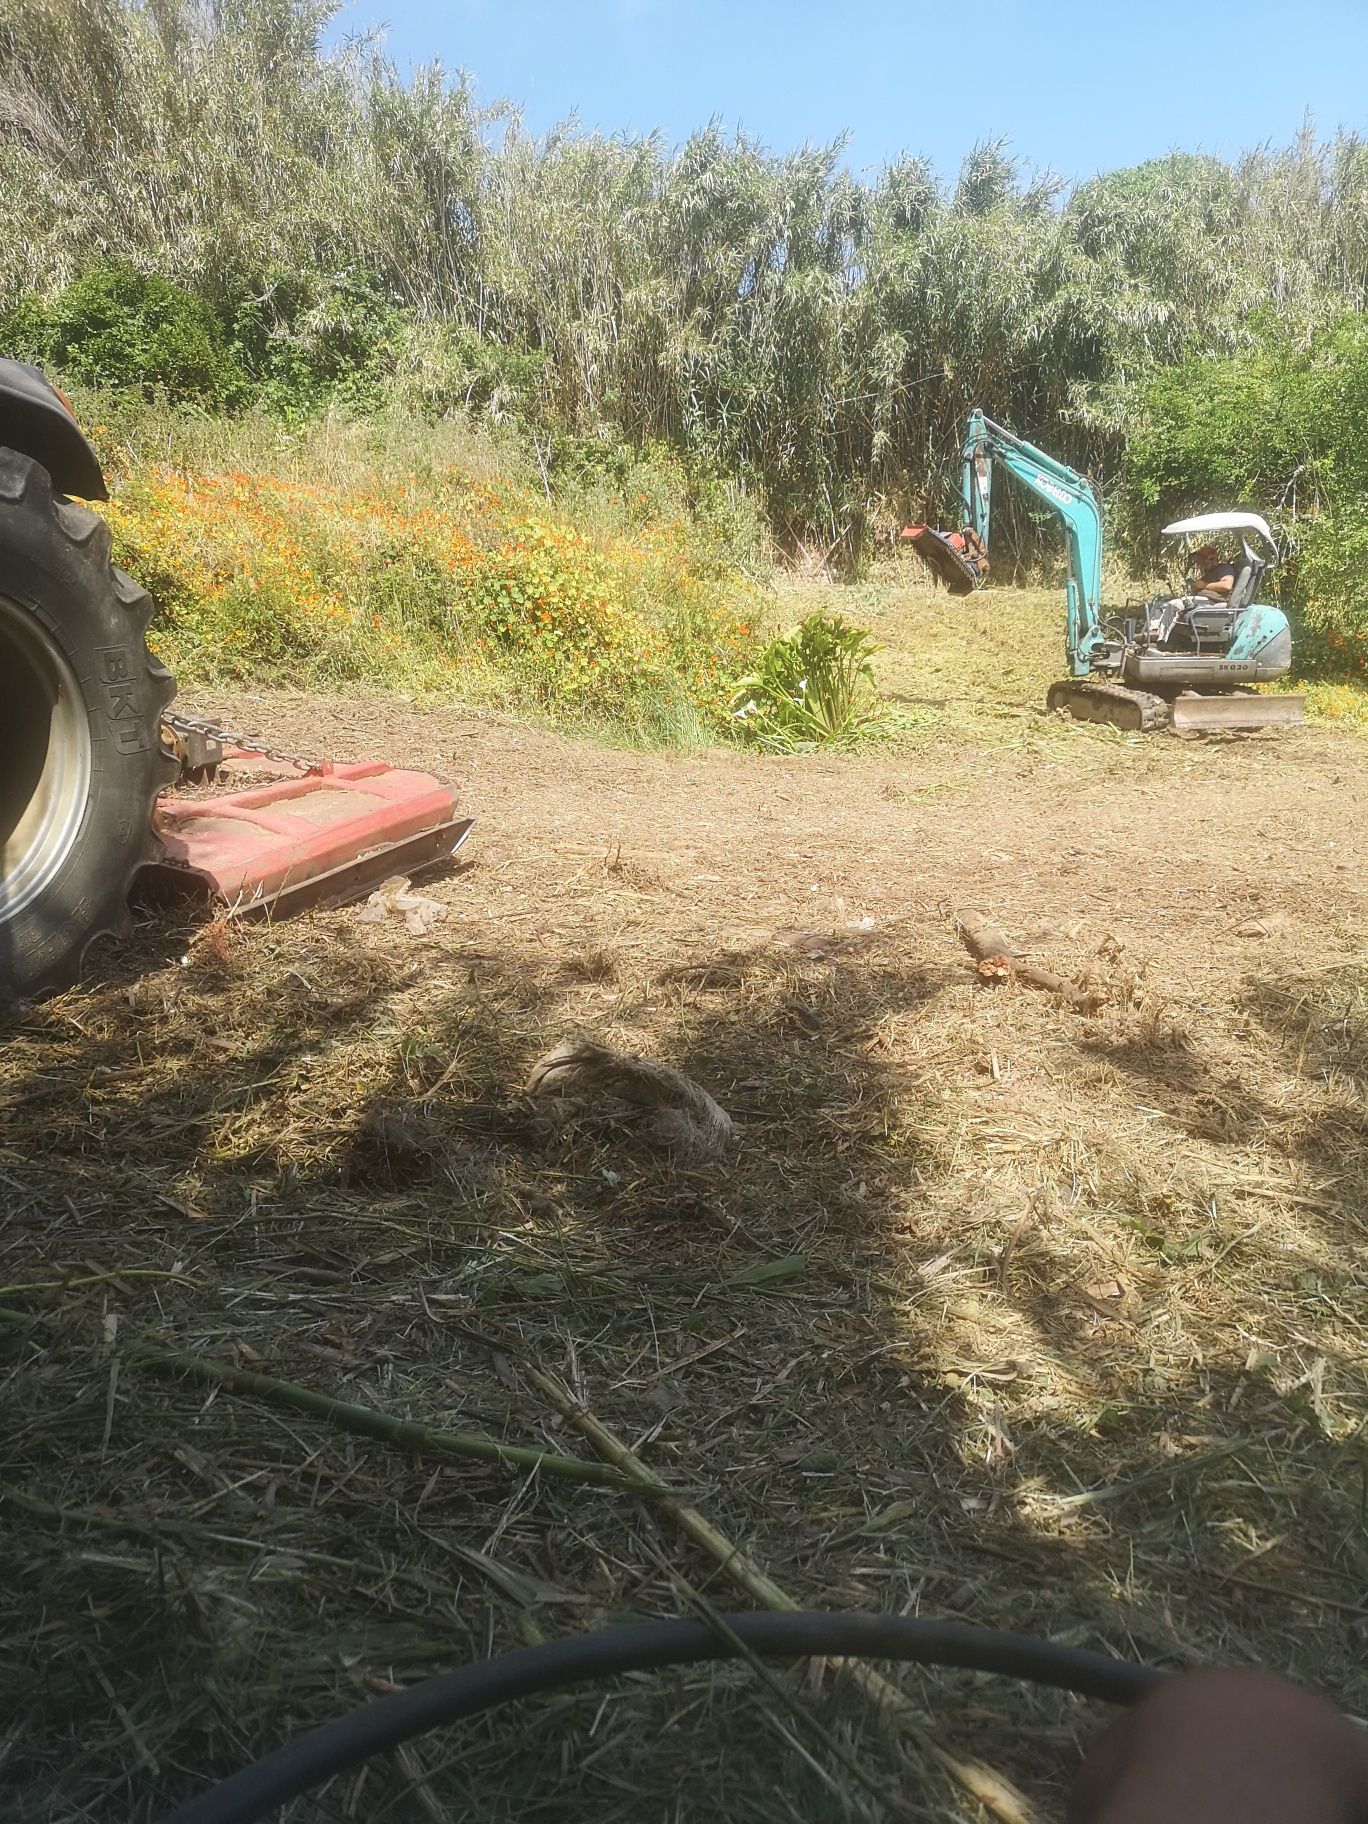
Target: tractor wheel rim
45, 759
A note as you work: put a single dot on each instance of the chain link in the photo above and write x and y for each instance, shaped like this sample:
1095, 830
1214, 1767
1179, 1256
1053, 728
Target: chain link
228, 737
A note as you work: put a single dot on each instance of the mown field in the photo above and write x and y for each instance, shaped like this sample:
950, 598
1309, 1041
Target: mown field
1046, 1319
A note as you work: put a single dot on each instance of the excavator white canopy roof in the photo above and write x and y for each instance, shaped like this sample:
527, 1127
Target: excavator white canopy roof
1223, 522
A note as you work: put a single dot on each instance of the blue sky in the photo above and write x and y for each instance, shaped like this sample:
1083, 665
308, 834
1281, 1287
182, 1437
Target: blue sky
1078, 86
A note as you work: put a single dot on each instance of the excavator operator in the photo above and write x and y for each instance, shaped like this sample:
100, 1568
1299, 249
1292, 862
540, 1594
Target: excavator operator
1211, 580
1211, 575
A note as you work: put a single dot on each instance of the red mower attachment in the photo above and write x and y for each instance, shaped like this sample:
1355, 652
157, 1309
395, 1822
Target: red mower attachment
315, 838
957, 558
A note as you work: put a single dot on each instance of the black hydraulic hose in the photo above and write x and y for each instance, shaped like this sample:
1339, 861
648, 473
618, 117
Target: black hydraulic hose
349, 1740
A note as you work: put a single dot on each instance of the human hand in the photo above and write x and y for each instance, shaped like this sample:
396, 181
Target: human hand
1224, 1747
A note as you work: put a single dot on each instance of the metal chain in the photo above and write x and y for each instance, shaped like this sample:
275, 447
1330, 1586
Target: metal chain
227, 737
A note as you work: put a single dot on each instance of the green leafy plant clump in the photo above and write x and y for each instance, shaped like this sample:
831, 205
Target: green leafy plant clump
307, 339
813, 687
118, 327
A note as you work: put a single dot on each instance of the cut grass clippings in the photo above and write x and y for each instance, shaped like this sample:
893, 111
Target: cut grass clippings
1049, 1322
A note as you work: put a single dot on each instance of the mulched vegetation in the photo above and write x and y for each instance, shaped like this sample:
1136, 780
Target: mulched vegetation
1049, 1320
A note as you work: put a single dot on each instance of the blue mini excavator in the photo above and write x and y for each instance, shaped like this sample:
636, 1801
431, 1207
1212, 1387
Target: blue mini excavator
1185, 662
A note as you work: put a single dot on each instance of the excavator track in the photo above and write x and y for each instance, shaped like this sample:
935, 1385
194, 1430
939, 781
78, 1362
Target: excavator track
1136, 712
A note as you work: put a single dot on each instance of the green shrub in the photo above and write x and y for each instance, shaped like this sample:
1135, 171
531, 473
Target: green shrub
443, 368
306, 339
1230, 433
121, 328
1329, 584
548, 600
814, 687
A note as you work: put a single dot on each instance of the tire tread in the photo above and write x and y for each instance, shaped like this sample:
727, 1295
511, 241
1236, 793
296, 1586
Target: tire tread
26, 487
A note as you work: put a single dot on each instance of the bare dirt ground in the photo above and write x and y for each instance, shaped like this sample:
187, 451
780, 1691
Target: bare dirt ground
1050, 1321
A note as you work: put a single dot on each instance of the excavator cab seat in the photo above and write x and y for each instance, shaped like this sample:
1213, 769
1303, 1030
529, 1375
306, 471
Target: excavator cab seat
1247, 580
1210, 623
1213, 623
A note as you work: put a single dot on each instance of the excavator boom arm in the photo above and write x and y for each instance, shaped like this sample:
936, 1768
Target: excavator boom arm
1070, 495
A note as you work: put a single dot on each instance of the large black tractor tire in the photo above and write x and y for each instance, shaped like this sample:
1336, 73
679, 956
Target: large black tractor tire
81, 760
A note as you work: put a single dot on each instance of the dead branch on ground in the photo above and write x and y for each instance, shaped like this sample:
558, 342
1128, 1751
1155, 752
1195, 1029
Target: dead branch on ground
997, 960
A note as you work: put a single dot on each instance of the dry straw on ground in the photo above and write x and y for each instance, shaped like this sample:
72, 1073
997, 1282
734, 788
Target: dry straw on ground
1048, 1321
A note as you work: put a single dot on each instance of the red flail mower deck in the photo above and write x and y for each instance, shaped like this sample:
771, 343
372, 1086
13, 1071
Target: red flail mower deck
949, 561
320, 837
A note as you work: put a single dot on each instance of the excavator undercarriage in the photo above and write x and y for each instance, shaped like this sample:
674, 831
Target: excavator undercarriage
1188, 713
1093, 700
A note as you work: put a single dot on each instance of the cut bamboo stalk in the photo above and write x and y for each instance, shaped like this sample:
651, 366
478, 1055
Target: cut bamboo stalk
995, 1793
370, 1423
363, 1419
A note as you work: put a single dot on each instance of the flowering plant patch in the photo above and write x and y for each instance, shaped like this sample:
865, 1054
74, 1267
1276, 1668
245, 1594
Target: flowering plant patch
446, 581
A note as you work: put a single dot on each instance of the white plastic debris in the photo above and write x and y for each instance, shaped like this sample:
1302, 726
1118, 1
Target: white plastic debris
393, 898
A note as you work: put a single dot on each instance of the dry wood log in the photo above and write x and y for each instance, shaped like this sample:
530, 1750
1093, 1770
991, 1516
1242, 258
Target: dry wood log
669, 1109
996, 958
